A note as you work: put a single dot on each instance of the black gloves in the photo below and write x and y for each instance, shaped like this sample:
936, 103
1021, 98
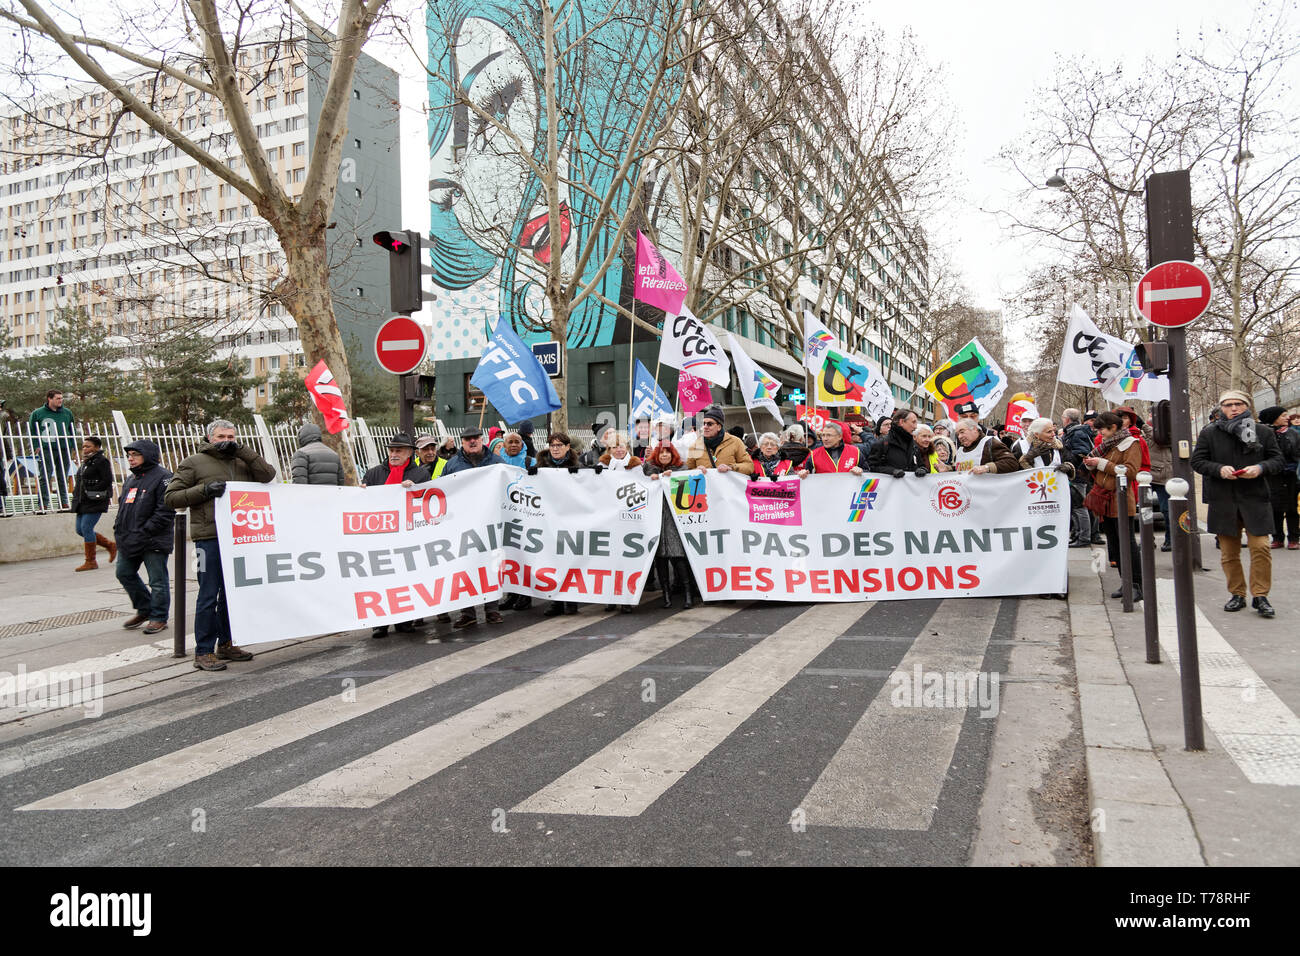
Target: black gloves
598, 468
531, 469
214, 489
897, 473
573, 470
921, 471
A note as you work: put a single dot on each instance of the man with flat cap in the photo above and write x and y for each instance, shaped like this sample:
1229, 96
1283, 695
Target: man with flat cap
399, 469
472, 454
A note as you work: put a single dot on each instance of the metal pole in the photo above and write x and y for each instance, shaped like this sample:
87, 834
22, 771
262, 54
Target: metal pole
1189, 663
405, 407
1125, 538
1149, 610
178, 586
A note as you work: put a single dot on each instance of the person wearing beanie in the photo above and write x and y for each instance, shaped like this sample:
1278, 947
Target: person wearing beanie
1283, 487
144, 535
1234, 457
714, 448
526, 433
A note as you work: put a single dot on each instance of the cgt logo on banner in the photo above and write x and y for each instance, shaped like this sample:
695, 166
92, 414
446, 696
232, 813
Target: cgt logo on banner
912, 549
250, 516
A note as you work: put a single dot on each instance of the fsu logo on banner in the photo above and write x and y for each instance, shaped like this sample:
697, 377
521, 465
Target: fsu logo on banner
689, 495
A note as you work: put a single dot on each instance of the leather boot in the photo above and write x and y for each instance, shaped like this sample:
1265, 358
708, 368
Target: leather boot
665, 582
89, 564
108, 546
684, 572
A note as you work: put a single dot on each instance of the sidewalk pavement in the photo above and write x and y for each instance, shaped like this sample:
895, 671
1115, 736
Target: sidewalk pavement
1154, 803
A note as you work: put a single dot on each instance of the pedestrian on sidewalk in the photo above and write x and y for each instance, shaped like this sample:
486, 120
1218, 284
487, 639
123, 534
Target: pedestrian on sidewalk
1117, 447
315, 463
1077, 436
143, 530
52, 427
1234, 455
1162, 469
92, 490
200, 480
1283, 487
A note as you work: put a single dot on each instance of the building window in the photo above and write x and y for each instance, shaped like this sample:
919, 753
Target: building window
600, 383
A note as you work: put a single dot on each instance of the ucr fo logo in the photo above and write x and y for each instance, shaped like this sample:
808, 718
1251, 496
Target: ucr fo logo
250, 517
950, 498
425, 505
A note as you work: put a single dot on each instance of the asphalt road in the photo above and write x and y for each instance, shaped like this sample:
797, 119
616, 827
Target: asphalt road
731, 734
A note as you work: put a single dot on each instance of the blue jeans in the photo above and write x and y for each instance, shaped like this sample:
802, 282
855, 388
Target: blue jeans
52, 459
211, 619
1162, 502
154, 600
86, 526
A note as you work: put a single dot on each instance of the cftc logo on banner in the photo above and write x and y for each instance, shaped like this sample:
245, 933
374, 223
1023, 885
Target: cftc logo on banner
523, 498
250, 517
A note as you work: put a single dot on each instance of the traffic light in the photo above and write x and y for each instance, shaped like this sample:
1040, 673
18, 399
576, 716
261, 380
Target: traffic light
1154, 355
404, 257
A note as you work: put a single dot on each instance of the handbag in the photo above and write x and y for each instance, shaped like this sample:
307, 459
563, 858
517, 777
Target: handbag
95, 495
1099, 500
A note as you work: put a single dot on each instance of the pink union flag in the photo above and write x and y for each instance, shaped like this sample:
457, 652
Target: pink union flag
694, 393
657, 282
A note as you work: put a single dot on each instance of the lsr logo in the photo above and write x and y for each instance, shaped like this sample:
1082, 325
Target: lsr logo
424, 506
250, 518
690, 498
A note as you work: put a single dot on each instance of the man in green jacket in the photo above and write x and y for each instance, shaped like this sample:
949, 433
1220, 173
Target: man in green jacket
199, 480
52, 431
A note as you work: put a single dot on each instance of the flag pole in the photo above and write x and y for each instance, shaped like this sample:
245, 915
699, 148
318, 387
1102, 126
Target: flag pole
631, 373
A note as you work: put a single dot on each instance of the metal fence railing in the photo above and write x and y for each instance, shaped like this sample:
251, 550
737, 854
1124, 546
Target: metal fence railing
36, 473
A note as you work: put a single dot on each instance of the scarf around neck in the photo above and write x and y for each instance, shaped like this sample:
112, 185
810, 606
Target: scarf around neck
1243, 426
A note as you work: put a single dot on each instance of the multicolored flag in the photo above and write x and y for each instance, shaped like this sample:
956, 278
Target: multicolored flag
328, 398
1093, 358
817, 339
758, 387
657, 282
693, 392
970, 376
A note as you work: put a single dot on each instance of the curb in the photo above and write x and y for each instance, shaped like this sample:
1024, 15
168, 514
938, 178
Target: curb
1137, 817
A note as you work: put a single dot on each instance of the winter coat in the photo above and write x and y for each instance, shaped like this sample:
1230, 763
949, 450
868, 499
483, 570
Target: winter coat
631, 461
591, 457
144, 519
730, 452
1282, 486
995, 454
1242, 499
185, 490
895, 452
1042, 455
569, 461
55, 430
1129, 454
1078, 438
458, 462
413, 472
670, 539
95, 474
315, 463
1162, 458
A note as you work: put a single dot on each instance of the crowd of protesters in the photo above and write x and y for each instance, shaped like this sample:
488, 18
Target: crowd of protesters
1250, 468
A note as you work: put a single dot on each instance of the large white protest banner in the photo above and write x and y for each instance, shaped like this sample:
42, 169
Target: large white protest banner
303, 559
851, 538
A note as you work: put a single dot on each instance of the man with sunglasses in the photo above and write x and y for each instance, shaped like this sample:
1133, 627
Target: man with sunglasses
1233, 456
473, 454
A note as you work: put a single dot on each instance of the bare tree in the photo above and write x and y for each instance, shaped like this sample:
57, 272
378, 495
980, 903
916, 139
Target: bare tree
202, 47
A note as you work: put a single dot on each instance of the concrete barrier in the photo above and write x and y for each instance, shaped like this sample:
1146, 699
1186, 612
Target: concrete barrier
27, 537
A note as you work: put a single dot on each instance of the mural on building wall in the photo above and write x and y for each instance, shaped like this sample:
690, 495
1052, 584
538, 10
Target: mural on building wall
489, 239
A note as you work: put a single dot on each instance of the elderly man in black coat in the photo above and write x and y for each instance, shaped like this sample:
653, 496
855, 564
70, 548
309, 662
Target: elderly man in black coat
1234, 455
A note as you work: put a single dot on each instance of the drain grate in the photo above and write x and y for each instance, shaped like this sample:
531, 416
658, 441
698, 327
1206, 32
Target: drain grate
63, 620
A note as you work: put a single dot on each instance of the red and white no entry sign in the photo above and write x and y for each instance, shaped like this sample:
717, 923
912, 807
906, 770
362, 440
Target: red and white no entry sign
1173, 294
400, 345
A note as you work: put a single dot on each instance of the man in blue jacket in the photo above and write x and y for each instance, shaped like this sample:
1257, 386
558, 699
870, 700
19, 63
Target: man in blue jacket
143, 530
472, 454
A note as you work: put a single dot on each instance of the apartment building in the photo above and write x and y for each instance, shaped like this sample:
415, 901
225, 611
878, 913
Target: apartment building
100, 211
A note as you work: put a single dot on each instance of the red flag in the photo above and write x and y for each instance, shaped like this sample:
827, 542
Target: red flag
694, 393
328, 398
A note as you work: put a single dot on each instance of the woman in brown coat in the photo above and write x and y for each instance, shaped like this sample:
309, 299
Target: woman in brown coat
1117, 447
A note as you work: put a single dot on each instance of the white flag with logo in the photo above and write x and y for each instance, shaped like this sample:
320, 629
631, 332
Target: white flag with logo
759, 388
816, 340
690, 345
1091, 357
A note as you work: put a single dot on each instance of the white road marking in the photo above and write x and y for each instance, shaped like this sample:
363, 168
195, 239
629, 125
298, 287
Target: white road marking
634, 771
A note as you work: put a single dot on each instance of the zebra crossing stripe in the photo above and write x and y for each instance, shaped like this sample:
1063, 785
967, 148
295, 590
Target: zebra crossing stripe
889, 772
374, 778
634, 771
153, 778
89, 665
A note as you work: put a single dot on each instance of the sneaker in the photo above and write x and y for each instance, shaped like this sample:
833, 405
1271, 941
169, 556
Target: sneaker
209, 662
1275, 543
1167, 546
1261, 605
494, 618
135, 621
380, 631
467, 619
443, 618
231, 652
153, 627
1235, 604
1293, 545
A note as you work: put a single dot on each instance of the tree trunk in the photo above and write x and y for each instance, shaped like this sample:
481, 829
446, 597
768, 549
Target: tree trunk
306, 294
560, 331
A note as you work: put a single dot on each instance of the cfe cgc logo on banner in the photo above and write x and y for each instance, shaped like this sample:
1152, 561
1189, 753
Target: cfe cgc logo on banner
864, 499
689, 498
523, 499
950, 498
774, 502
1042, 486
635, 496
250, 517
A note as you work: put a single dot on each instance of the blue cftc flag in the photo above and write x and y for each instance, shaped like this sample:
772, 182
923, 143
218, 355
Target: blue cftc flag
512, 378
648, 399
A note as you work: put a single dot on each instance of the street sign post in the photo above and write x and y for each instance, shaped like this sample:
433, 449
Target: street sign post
400, 345
548, 353
1172, 294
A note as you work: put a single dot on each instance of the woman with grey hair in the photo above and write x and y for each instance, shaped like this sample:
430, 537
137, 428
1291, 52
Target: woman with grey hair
768, 462
929, 447
1046, 450
794, 449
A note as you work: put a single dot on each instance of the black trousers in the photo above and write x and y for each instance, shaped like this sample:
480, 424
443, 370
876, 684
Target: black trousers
1283, 494
1110, 528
